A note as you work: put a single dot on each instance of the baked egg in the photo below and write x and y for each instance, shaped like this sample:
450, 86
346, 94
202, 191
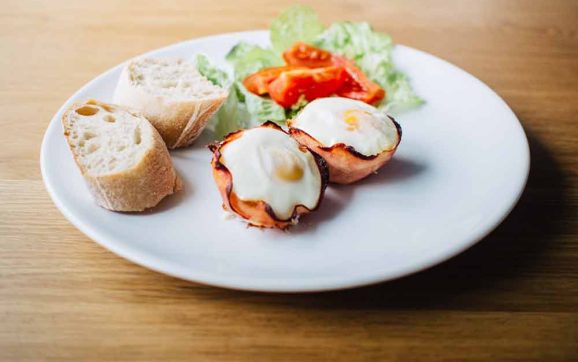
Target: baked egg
266, 177
353, 137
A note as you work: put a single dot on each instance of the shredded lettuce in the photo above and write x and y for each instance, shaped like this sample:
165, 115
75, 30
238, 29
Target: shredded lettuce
297, 23
372, 52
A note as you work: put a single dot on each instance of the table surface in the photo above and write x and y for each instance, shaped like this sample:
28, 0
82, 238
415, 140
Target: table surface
514, 296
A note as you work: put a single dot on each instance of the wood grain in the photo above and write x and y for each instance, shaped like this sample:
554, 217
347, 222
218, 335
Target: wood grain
513, 297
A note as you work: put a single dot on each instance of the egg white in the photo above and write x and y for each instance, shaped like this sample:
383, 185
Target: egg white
329, 121
254, 161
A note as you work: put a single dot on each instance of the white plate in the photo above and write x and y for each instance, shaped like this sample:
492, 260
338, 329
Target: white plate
461, 167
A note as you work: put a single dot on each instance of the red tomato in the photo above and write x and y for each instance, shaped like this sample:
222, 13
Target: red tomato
305, 55
357, 85
258, 82
310, 83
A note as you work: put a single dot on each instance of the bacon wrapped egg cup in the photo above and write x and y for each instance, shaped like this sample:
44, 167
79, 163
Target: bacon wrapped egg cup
353, 137
268, 178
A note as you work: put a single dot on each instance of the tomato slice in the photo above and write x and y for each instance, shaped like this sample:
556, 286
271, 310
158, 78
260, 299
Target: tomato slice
310, 83
305, 55
313, 73
258, 83
357, 85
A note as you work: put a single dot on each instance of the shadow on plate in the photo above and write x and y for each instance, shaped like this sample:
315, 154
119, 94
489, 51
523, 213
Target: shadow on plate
511, 251
173, 200
396, 170
336, 198
466, 282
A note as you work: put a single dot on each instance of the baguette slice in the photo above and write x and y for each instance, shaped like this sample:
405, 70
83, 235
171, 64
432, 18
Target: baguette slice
120, 154
172, 95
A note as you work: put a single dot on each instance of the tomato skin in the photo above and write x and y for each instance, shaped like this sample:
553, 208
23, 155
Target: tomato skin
309, 72
310, 83
357, 85
258, 83
305, 55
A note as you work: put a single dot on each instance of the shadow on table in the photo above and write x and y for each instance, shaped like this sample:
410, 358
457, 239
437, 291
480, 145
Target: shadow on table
507, 253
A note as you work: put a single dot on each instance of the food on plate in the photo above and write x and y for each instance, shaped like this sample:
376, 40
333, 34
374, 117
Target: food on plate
300, 43
313, 73
258, 83
172, 95
266, 177
309, 84
353, 137
122, 157
305, 55
357, 85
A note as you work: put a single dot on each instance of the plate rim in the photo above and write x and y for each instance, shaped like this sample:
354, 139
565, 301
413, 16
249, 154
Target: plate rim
265, 285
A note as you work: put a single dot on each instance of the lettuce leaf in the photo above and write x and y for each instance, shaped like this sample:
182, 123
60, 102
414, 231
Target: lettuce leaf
372, 52
215, 75
248, 58
262, 109
297, 23
241, 109
233, 114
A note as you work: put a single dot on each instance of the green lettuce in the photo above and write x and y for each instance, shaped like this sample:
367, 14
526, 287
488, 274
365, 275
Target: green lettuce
297, 23
262, 109
372, 52
241, 109
247, 59
233, 114
215, 75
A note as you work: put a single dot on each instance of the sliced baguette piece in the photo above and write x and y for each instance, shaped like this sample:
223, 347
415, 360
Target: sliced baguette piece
120, 154
172, 95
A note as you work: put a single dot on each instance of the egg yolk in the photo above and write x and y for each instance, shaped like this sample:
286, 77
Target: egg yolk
352, 117
286, 165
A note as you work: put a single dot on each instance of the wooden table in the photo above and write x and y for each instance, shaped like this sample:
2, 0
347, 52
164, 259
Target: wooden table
514, 296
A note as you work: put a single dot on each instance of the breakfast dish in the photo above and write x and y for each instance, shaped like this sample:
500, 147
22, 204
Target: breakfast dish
266, 177
124, 161
352, 136
172, 95
452, 180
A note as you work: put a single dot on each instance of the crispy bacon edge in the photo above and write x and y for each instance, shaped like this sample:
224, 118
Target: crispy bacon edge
257, 212
346, 165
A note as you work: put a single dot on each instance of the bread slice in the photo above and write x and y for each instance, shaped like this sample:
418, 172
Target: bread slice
120, 154
172, 95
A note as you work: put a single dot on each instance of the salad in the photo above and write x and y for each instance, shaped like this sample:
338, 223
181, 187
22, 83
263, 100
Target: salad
305, 61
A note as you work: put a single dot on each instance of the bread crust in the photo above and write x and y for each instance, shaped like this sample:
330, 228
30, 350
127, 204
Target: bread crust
179, 122
138, 188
